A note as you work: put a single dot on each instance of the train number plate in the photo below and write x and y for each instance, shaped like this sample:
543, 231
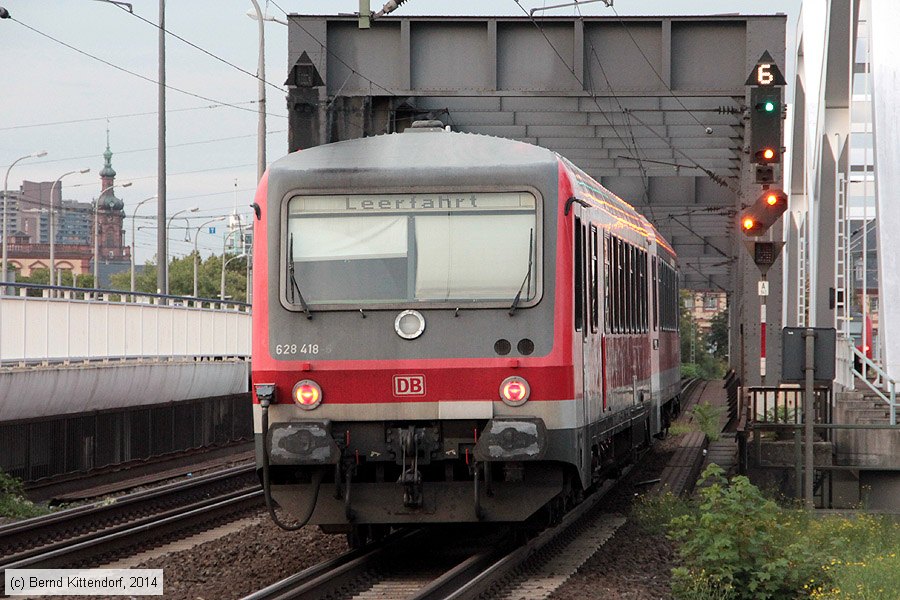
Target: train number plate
409, 385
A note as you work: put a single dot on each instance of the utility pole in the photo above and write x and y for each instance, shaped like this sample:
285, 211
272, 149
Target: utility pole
161, 250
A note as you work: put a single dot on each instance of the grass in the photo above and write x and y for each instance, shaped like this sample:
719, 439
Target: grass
13, 503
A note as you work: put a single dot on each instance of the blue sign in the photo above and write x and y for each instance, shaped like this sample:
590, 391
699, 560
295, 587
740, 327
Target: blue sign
212, 230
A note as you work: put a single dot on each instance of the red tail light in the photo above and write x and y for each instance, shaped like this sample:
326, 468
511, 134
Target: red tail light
307, 394
514, 391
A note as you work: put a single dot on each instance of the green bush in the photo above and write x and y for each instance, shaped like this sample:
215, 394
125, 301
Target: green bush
654, 512
739, 545
707, 417
13, 503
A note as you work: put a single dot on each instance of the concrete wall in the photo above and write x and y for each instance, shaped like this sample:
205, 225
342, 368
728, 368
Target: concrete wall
33, 392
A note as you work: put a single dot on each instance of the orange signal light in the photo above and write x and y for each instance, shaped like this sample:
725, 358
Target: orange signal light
772, 199
768, 154
749, 223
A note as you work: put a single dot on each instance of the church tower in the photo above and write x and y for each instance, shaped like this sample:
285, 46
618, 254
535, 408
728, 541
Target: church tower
110, 214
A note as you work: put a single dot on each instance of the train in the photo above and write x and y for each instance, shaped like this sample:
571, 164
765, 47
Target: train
452, 328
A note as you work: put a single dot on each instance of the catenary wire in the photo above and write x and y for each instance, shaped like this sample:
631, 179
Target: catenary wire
138, 75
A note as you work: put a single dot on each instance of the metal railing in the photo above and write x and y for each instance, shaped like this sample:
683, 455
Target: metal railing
882, 385
43, 324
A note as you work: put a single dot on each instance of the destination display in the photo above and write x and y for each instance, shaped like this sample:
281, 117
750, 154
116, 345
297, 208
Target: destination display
404, 203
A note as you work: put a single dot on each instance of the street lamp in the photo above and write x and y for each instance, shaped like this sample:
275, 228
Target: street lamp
5, 203
53, 224
133, 242
97, 231
261, 81
225, 264
169, 226
197, 252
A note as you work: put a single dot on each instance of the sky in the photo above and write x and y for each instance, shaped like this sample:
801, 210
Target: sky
56, 99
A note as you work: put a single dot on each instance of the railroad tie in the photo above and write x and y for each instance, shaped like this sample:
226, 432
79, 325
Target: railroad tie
544, 579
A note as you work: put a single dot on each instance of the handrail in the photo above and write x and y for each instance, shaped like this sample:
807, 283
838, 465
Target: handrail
104, 291
890, 384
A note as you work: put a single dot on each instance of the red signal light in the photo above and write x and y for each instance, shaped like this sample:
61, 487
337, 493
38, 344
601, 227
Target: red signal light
768, 154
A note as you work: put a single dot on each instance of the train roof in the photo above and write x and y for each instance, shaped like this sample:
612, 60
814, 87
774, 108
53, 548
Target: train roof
416, 153
420, 151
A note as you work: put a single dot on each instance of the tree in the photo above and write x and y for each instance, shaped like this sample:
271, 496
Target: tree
717, 338
42, 277
181, 277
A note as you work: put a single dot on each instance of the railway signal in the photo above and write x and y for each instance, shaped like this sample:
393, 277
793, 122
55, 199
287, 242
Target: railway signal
766, 117
768, 208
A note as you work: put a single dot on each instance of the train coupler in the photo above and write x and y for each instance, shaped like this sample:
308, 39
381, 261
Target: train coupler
411, 478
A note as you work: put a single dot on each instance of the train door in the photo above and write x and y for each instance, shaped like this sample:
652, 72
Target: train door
655, 381
588, 303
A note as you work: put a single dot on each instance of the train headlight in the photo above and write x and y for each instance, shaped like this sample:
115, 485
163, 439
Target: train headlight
307, 394
514, 391
409, 324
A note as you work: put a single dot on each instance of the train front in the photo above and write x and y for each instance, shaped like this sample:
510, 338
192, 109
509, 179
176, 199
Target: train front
403, 332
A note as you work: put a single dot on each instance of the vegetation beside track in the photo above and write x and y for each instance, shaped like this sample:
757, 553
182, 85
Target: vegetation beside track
13, 503
733, 543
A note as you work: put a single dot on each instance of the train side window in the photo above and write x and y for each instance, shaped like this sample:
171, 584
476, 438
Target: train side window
579, 276
620, 287
655, 297
606, 282
595, 289
645, 291
629, 286
585, 277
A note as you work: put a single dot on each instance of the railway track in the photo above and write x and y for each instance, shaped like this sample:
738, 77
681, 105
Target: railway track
89, 534
415, 566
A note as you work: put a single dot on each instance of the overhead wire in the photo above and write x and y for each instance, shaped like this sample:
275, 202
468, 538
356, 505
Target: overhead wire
200, 48
138, 75
123, 116
653, 68
138, 150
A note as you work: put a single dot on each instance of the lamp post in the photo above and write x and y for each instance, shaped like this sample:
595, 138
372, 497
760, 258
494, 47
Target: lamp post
6, 205
225, 264
224, 248
168, 226
97, 231
261, 81
133, 242
52, 224
197, 252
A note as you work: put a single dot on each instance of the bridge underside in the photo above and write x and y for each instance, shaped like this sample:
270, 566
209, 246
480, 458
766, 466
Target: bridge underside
650, 107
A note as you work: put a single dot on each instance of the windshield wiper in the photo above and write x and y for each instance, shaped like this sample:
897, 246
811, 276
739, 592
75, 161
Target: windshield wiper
515, 302
294, 285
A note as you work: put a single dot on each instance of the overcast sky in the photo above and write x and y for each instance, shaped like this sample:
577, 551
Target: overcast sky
55, 99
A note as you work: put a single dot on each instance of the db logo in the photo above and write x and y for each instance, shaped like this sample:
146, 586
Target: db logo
409, 385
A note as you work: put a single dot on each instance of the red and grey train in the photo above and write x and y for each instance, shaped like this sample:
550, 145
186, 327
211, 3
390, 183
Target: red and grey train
452, 327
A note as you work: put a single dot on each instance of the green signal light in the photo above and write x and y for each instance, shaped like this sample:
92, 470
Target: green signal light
769, 106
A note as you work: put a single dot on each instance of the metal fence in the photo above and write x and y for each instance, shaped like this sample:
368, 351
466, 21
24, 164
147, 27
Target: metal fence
37, 449
42, 324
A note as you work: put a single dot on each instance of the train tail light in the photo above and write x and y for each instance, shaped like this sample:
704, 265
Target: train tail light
307, 394
514, 391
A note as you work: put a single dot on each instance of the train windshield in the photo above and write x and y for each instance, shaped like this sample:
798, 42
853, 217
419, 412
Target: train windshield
410, 248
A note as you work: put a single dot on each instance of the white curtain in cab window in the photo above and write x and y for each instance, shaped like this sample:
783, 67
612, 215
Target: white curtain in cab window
472, 256
343, 238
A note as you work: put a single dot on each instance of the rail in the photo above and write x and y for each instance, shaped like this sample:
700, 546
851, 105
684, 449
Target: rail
42, 325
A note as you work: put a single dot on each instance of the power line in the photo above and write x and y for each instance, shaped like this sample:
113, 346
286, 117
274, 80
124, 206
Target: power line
135, 151
176, 174
201, 49
124, 116
652, 68
144, 77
